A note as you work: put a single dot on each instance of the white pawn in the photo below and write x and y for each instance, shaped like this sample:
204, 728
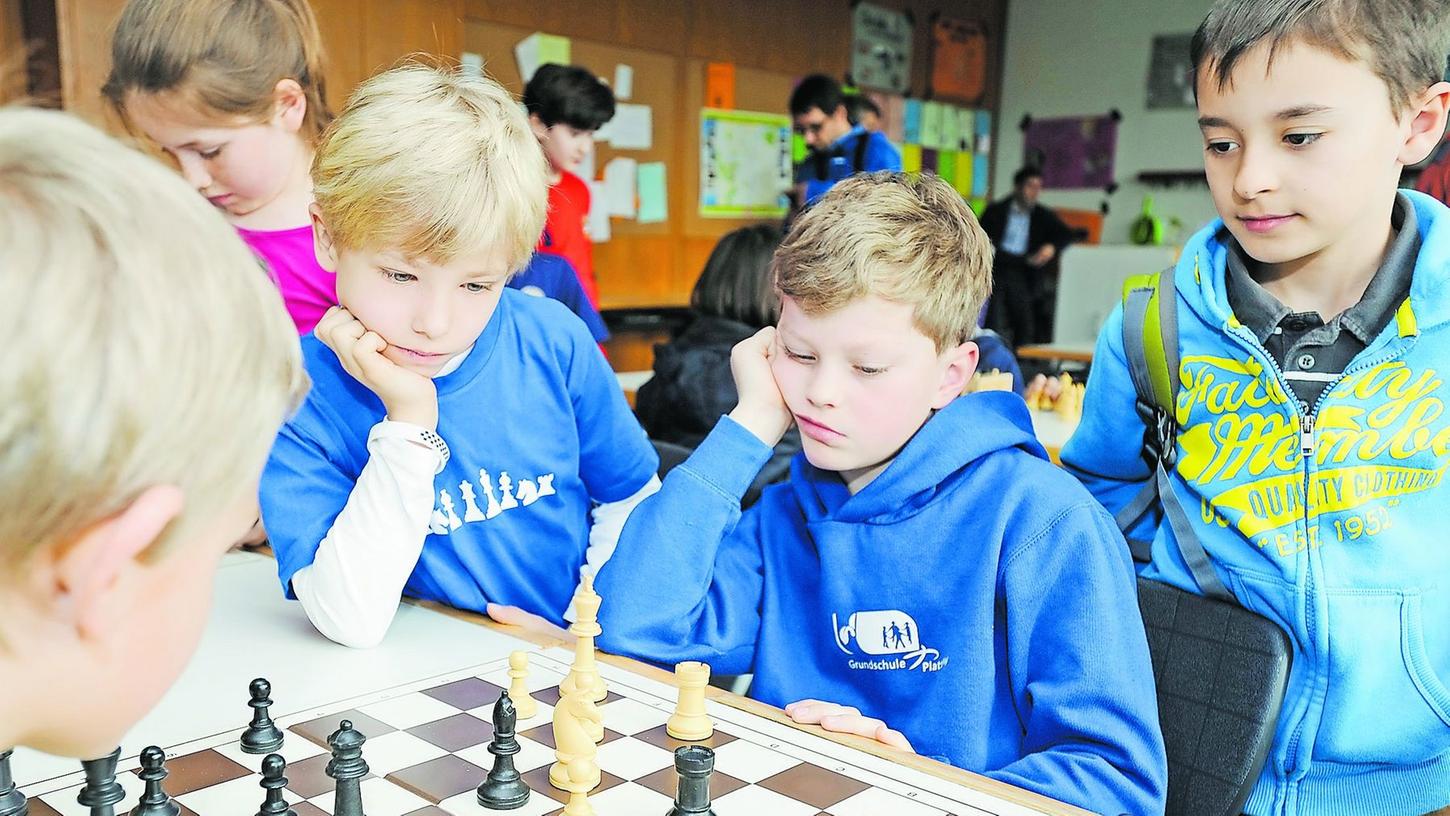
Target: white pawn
690, 722
524, 704
583, 777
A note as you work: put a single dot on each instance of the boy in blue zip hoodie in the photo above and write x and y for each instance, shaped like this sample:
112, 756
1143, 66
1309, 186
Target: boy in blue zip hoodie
926, 577
1313, 440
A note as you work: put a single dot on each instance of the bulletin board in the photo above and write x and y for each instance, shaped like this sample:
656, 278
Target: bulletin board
648, 264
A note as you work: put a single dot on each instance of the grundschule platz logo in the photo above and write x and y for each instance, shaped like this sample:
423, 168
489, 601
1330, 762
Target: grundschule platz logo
889, 639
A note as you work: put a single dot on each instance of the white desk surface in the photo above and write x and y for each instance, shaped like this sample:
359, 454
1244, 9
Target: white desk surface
255, 632
1052, 430
632, 380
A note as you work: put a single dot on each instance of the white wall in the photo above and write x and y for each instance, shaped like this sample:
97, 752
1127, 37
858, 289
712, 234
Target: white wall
1080, 57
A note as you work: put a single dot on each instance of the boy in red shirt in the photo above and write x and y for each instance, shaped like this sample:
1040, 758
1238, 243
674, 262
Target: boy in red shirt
566, 104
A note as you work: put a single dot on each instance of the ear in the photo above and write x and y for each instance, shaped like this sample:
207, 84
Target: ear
1427, 123
91, 570
541, 130
322, 244
290, 107
840, 114
960, 365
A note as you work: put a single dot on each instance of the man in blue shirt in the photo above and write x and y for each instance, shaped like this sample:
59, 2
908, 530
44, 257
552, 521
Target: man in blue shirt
838, 150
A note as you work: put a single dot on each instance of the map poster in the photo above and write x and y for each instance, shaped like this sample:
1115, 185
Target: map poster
745, 164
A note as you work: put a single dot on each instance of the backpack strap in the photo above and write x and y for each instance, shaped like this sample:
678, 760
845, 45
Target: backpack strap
1150, 342
858, 162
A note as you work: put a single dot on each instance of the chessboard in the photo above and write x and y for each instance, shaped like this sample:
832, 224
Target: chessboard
427, 751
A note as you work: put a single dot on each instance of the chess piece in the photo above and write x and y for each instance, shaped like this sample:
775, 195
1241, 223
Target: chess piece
571, 741
348, 768
690, 722
154, 801
262, 736
101, 791
588, 715
693, 764
12, 801
524, 703
273, 766
584, 674
504, 789
583, 777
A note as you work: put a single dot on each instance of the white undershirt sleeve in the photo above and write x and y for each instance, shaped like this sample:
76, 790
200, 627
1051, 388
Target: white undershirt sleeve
352, 588
607, 523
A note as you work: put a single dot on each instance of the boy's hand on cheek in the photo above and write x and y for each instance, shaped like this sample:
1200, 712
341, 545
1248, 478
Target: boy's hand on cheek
761, 409
407, 395
846, 720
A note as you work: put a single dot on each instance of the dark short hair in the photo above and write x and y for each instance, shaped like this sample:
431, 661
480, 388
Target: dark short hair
857, 104
1025, 173
1403, 41
816, 91
737, 283
570, 95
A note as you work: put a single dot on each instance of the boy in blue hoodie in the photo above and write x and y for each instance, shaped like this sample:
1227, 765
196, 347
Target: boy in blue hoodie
926, 577
1312, 438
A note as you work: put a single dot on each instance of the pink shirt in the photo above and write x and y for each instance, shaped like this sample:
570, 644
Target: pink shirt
307, 289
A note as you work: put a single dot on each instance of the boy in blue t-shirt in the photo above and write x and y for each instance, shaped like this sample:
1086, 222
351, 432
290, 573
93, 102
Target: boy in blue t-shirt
463, 442
927, 577
1311, 438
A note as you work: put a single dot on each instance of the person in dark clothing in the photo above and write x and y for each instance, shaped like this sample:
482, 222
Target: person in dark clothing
692, 385
1028, 237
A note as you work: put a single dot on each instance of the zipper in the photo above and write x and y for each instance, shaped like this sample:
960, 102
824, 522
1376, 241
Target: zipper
1306, 449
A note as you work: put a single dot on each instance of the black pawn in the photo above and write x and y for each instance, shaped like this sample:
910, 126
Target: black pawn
12, 801
101, 791
348, 768
154, 801
273, 781
262, 736
504, 789
694, 764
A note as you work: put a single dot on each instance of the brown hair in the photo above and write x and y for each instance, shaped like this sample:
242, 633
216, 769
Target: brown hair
222, 56
1402, 41
736, 283
908, 239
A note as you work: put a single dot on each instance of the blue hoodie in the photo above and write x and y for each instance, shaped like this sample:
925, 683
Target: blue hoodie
1332, 526
972, 596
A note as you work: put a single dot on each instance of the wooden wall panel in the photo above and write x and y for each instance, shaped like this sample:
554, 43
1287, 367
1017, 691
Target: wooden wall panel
12, 52
85, 55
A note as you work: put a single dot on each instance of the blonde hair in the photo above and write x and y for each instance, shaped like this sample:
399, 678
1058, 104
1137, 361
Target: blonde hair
220, 57
908, 239
433, 164
144, 344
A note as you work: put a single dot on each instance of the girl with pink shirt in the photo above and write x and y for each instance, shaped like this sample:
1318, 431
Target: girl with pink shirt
232, 91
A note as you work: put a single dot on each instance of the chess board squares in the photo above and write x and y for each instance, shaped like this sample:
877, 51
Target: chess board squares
64, 803
320, 729
544, 734
466, 804
753, 800
530, 756
470, 692
294, 749
813, 784
225, 799
398, 750
550, 696
308, 778
455, 733
628, 799
544, 714
665, 780
430, 810
410, 710
538, 782
538, 679
746, 760
199, 770
441, 778
381, 798
308, 809
659, 737
631, 716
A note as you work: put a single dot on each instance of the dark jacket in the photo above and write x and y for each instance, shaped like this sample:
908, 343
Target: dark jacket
692, 387
1043, 228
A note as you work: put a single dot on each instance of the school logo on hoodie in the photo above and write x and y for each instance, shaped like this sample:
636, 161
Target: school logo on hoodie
889, 639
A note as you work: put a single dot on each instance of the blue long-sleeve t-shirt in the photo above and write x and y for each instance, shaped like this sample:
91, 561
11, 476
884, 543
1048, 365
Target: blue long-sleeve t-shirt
972, 596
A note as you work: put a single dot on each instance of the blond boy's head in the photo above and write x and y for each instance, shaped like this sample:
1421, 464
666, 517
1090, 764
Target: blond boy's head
881, 281
910, 240
434, 165
149, 363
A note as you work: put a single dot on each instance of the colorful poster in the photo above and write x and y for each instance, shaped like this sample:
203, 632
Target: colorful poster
911, 121
652, 204
931, 124
911, 158
1074, 152
959, 50
720, 85
981, 172
745, 164
880, 48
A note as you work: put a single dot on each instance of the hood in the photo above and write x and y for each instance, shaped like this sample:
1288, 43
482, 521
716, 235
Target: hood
951, 443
